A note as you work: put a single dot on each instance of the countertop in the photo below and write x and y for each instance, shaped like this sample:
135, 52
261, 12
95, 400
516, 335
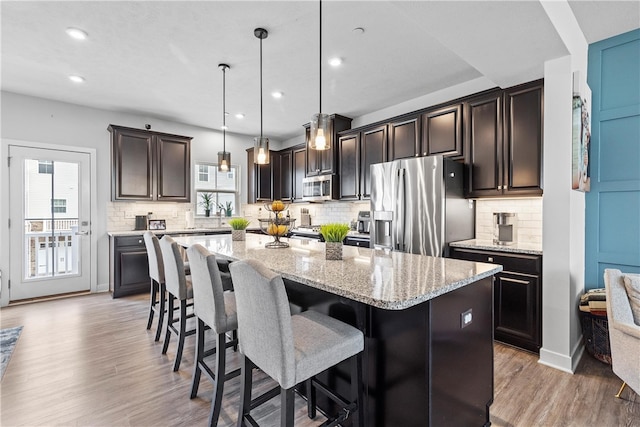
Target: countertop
388, 280
172, 231
519, 248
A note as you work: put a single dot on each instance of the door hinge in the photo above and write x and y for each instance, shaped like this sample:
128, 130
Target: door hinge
9, 283
8, 161
9, 221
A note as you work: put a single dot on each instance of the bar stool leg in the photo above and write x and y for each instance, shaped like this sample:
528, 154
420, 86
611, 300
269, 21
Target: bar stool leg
195, 382
311, 399
245, 388
286, 407
170, 320
163, 298
216, 399
181, 335
152, 302
356, 389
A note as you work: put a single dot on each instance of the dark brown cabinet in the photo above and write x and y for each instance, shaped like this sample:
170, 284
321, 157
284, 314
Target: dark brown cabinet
259, 179
149, 166
299, 171
442, 132
130, 266
325, 162
504, 142
358, 151
404, 138
517, 296
283, 175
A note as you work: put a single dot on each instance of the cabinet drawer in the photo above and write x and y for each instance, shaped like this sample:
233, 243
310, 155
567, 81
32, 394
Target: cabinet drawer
530, 264
129, 241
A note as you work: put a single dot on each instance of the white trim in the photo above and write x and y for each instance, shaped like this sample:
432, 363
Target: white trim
4, 211
560, 361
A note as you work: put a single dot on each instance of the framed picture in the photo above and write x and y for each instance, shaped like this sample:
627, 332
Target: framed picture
157, 224
581, 136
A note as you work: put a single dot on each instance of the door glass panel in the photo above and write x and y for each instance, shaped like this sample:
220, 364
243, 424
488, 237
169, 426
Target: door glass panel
51, 214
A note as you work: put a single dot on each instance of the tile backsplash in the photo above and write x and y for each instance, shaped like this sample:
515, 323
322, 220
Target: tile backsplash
529, 214
321, 213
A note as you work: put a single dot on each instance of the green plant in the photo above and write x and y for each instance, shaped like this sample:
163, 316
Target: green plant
228, 208
238, 223
334, 232
206, 201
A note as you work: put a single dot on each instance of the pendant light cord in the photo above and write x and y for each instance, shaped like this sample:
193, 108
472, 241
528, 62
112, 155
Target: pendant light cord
224, 113
261, 88
320, 63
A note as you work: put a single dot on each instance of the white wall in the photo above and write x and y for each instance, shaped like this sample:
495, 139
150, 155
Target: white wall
31, 119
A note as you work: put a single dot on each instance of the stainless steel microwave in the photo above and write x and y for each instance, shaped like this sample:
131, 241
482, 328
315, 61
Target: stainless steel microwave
320, 188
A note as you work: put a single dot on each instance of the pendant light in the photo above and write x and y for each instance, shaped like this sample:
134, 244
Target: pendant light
224, 157
319, 122
261, 144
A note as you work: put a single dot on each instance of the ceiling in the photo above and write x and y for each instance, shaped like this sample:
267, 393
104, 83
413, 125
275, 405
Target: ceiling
160, 59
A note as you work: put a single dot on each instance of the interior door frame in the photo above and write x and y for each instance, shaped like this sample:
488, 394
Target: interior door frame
5, 235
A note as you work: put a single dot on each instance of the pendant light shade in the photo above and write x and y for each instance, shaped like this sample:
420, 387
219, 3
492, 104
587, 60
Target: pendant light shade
224, 157
319, 136
261, 143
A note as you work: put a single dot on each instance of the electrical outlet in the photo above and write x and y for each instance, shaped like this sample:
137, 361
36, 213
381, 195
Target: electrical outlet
175, 214
466, 318
129, 214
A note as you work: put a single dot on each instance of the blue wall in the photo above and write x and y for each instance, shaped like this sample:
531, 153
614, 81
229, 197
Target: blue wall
612, 237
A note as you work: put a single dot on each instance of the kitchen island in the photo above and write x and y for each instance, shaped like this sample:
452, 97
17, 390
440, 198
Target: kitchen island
428, 357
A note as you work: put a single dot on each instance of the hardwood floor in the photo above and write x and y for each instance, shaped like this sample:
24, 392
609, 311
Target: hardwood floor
88, 360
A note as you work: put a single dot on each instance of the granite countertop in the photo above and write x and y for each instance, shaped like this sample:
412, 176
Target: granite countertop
519, 248
224, 228
388, 280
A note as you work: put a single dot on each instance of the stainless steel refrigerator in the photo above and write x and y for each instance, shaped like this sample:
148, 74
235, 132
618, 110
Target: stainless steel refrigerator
418, 205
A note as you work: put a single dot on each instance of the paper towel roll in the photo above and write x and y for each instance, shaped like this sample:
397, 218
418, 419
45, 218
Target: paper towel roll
189, 219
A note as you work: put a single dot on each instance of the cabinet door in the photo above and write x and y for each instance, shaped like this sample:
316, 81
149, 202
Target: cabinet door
132, 155
299, 170
174, 169
442, 131
484, 149
251, 177
349, 153
373, 149
516, 310
523, 139
130, 266
404, 138
285, 175
264, 181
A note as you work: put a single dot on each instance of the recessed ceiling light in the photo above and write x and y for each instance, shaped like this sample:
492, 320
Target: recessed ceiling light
239, 116
358, 30
277, 95
77, 33
76, 79
334, 62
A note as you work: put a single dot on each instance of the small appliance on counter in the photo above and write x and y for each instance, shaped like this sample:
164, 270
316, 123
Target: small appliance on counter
364, 222
505, 228
305, 218
141, 222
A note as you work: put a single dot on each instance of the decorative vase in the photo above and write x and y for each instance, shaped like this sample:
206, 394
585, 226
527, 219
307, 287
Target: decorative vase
229, 212
238, 234
333, 250
207, 212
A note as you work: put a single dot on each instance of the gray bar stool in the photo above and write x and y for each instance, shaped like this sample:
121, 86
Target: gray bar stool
178, 286
290, 349
156, 275
216, 309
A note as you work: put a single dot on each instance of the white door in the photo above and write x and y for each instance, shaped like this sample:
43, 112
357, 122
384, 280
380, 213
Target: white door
49, 210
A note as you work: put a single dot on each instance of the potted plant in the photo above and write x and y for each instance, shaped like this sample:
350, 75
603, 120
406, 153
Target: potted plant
334, 234
227, 208
206, 201
238, 228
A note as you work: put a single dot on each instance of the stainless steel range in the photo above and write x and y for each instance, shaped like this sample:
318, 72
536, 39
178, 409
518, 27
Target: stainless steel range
306, 233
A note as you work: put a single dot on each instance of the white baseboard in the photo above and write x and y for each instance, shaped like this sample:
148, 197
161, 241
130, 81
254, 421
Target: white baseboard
562, 362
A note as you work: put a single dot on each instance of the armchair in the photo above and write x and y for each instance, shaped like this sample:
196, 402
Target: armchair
624, 334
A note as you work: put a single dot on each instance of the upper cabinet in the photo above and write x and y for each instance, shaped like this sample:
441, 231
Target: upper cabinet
503, 131
149, 166
442, 131
299, 170
325, 162
259, 179
404, 138
358, 150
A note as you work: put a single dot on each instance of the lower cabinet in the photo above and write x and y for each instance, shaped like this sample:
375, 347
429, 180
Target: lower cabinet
517, 296
129, 266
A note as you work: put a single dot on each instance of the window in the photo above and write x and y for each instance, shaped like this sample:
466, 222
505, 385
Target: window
59, 205
223, 187
45, 166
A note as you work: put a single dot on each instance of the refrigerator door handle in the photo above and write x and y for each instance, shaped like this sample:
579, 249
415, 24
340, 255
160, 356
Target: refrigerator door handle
400, 210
